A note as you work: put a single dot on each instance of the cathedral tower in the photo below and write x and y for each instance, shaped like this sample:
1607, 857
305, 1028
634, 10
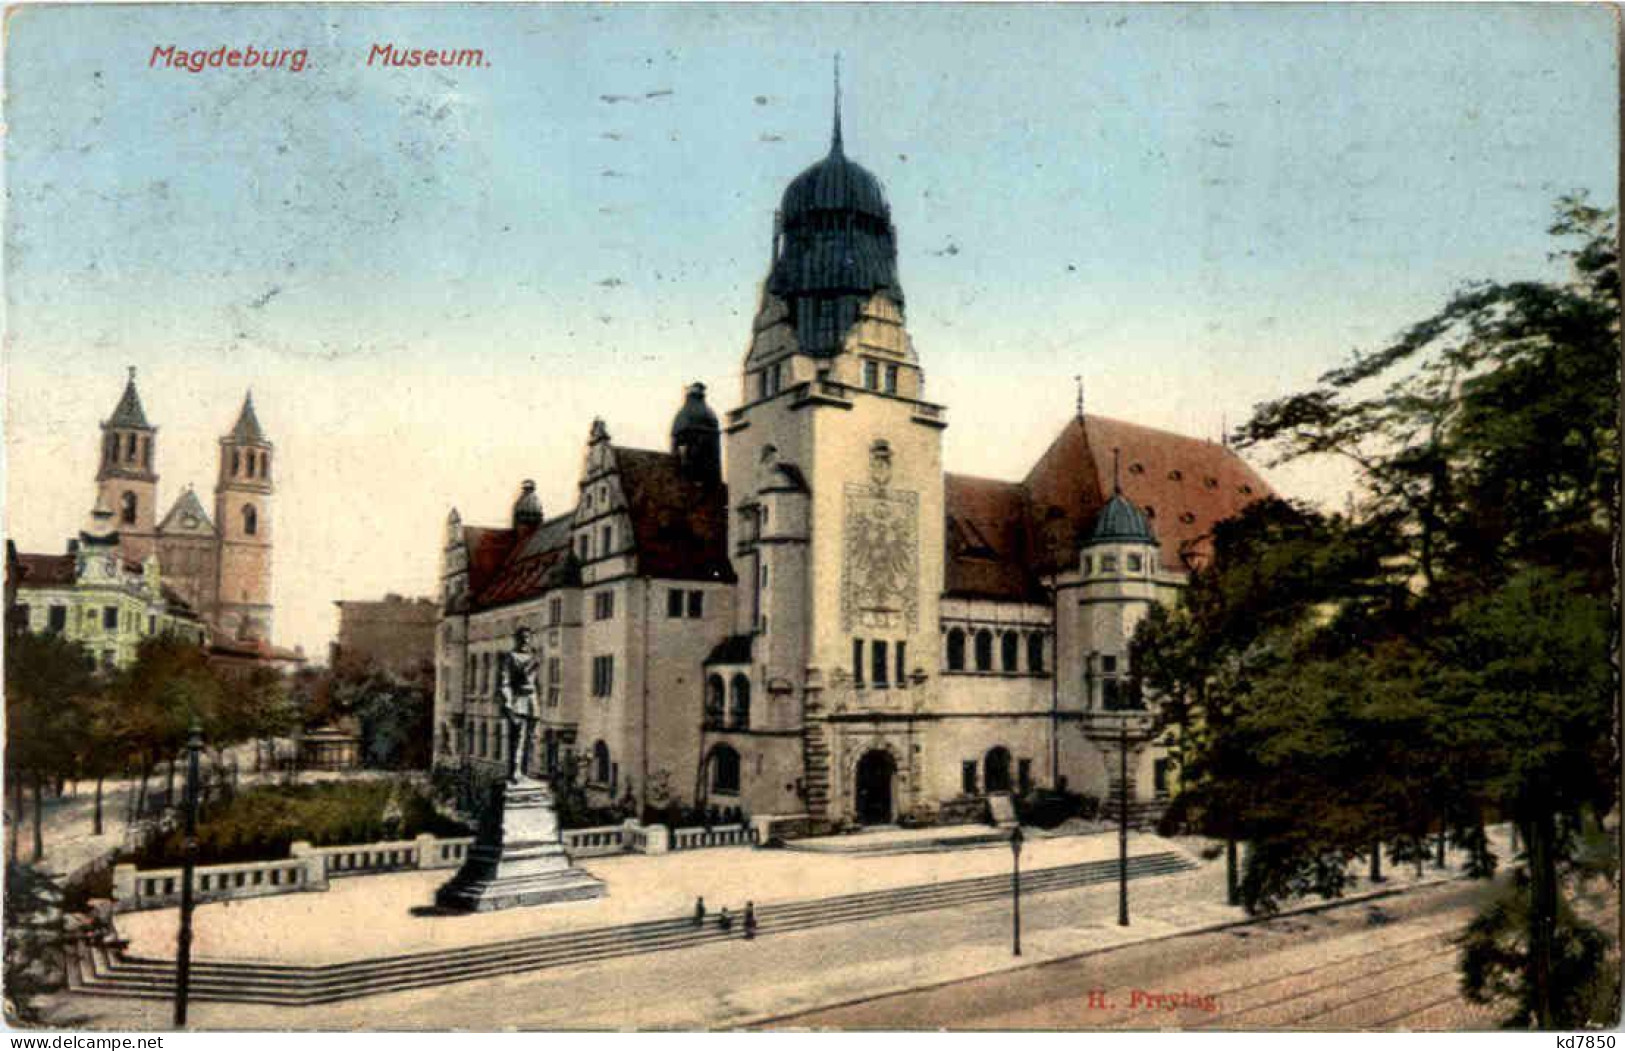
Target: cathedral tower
242, 515
126, 482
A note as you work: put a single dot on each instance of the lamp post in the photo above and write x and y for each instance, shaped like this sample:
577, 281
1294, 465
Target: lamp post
183, 953
1122, 824
1015, 889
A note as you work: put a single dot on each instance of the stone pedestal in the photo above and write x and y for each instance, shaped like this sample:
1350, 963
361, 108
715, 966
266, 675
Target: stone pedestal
518, 858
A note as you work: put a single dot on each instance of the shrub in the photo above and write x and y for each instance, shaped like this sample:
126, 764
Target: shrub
1047, 807
263, 822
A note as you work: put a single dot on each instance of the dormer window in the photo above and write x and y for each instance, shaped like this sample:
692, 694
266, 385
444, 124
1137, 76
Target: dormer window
1176, 475
1136, 468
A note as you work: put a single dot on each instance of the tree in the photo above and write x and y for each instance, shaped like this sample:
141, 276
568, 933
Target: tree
33, 935
46, 678
1488, 442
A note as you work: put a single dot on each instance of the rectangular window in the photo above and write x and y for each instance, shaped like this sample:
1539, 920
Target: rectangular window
764, 576
555, 610
877, 661
581, 546
603, 605
57, 619
110, 618
674, 603
1159, 776
871, 375
967, 777
902, 664
761, 384
1108, 664
555, 676
1111, 695
608, 535
603, 676
696, 604
857, 661
891, 379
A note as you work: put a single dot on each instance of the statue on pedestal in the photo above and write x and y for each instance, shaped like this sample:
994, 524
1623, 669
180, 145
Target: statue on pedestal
518, 689
518, 857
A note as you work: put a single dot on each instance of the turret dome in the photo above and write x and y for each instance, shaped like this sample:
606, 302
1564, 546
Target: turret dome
1120, 522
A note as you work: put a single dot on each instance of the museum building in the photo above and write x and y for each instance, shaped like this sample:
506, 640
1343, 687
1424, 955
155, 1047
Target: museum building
840, 629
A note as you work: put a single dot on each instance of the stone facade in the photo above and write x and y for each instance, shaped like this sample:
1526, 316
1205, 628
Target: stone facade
880, 640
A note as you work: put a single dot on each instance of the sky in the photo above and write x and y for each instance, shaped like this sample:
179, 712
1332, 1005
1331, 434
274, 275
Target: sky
434, 279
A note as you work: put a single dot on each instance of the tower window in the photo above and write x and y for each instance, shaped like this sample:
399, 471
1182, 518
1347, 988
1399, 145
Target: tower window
1009, 649
674, 603
127, 510
129, 447
877, 663
696, 604
603, 605
891, 379
902, 661
956, 650
725, 770
871, 375
739, 703
761, 384
715, 701
146, 452
857, 661
609, 538
251, 520
236, 462
1035, 652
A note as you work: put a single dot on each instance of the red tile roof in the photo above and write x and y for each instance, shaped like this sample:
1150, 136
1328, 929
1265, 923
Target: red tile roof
1183, 485
987, 537
680, 525
1003, 537
44, 571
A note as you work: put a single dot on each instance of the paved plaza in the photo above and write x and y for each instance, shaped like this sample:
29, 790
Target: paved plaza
364, 917
779, 978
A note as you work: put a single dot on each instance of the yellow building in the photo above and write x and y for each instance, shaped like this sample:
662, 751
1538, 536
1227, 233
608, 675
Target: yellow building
843, 630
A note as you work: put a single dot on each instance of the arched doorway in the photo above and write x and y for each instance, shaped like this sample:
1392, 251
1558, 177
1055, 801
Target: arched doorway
876, 771
996, 769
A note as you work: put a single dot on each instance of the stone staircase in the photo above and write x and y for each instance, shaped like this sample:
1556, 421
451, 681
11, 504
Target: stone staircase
100, 970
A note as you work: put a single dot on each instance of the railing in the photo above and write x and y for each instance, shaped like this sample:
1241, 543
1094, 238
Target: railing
595, 842
716, 836
159, 888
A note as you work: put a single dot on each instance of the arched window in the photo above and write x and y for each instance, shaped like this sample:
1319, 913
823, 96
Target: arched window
129, 447
127, 509
984, 650
146, 452
251, 520
1035, 652
265, 465
600, 763
956, 650
236, 463
716, 701
996, 769
724, 770
251, 464
484, 739
739, 709
1009, 650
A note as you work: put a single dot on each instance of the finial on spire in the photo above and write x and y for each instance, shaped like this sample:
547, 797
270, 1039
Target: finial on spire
1079, 380
1117, 470
835, 140
132, 373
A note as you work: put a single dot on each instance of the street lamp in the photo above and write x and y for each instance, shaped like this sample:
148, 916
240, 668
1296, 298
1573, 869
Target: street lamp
1015, 888
1122, 824
183, 954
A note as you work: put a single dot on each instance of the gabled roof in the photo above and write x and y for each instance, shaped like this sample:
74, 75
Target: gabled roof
1183, 486
247, 430
129, 412
680, 525
186, 504
529, 568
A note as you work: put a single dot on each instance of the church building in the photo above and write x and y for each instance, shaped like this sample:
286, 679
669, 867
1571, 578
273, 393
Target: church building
841, 631
215, 572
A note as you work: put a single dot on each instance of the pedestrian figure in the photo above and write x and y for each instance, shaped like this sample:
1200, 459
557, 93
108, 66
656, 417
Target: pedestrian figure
699, 912
750, 920
725, 921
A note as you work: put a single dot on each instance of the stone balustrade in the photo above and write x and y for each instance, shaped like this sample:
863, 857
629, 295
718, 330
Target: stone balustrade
309, 868
715, 836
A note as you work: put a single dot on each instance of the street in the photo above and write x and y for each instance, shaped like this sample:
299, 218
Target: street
1383, 965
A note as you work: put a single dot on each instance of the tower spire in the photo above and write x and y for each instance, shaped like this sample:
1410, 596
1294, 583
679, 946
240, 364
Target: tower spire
1079, 380
835, 146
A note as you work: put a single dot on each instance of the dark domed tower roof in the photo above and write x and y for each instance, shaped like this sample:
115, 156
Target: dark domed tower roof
1120, 522
695, 415
836, 247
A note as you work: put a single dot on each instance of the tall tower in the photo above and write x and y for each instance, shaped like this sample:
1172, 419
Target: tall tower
242, 515
126, 482
835, 474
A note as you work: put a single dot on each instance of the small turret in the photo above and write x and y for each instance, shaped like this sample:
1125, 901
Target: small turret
527, 510
696, 438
